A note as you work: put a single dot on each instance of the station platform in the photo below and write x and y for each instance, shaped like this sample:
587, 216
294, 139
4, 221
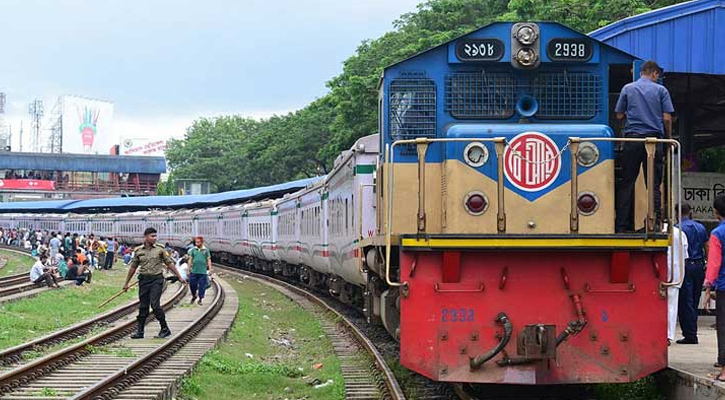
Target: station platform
691, 375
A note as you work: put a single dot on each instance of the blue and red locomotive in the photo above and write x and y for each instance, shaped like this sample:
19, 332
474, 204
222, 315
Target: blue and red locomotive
497, 180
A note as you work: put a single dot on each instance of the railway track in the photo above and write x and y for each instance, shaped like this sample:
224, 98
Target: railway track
14, 355
109, 364
374, 381
14, 284
18, 283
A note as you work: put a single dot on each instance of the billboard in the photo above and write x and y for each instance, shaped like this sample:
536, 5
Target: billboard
142, 147
87, 126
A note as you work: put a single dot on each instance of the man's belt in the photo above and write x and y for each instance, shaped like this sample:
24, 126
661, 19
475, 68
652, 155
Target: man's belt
148, 277
694, 261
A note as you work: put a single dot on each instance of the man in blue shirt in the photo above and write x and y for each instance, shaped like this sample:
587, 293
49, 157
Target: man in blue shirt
647, 108
694, 275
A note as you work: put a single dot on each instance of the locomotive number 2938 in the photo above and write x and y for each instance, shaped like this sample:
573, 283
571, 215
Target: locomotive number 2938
574, 49
457, 315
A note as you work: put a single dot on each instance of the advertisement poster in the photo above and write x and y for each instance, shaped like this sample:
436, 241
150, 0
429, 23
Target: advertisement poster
87, 126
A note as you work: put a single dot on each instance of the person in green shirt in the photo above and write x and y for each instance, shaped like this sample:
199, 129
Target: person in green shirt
67, 244
200, 258
63, 266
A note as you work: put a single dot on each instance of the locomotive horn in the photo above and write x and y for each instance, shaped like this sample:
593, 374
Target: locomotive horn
527, 106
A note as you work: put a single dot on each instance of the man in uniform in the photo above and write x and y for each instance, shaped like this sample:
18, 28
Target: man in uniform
694, 274
647, 108
150, 259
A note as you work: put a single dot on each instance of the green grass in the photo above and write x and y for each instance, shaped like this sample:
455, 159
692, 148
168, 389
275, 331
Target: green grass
49, 392
118, 351
16, 264
30, 318
643, 389
252, 364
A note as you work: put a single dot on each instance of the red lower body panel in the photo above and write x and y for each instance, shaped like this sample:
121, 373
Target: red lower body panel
445, 323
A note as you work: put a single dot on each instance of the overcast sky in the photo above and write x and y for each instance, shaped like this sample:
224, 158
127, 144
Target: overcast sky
165, 63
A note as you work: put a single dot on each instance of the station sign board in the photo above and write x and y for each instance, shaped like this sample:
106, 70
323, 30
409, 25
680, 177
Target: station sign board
142, 147
699, 189
26, 184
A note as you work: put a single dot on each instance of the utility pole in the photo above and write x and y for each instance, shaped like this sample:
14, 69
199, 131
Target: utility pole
55, 141
4, 127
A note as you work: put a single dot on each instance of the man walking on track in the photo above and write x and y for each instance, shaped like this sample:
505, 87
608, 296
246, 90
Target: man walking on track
200, 269
150, 259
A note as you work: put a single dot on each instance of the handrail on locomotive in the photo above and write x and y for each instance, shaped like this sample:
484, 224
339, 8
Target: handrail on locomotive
673, 208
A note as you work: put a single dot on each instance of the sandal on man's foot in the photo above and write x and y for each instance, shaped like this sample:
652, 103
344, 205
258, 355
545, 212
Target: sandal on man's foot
720, 378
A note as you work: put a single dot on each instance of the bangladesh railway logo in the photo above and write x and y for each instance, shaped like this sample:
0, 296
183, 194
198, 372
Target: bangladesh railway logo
531, 161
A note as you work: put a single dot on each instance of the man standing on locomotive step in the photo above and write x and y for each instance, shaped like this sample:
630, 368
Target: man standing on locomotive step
648, 109
694, 275
150, 259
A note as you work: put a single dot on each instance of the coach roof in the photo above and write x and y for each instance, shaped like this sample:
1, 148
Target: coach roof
157, 202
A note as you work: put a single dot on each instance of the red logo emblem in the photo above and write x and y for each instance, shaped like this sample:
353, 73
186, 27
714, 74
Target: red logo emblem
531, 161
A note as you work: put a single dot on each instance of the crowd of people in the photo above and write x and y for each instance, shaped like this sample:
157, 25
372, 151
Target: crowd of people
64, 256
75, 257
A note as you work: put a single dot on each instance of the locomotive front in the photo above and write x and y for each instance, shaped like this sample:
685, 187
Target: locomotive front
496, 239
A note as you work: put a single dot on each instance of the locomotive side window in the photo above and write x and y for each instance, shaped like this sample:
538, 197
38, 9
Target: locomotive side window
412, 105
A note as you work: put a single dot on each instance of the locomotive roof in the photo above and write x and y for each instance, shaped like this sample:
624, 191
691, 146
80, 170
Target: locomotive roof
482, 28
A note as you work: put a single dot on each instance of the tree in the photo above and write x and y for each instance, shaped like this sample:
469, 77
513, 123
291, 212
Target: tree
210, 150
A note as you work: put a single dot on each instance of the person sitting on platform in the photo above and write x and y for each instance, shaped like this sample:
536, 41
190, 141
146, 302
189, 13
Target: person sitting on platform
80, 256
40, 274
79, 273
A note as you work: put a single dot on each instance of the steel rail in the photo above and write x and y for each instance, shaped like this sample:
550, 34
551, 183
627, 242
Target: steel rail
14, 354
393, 387
125, 377
9, 280
17, 288
45, 365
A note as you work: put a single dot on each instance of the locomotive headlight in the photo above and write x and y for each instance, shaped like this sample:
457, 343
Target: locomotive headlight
526, 35
588, 154
526, 57
475, 154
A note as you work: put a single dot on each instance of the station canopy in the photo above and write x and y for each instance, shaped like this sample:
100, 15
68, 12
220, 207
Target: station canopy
683, 38
82, 163
124, 204
687, 40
